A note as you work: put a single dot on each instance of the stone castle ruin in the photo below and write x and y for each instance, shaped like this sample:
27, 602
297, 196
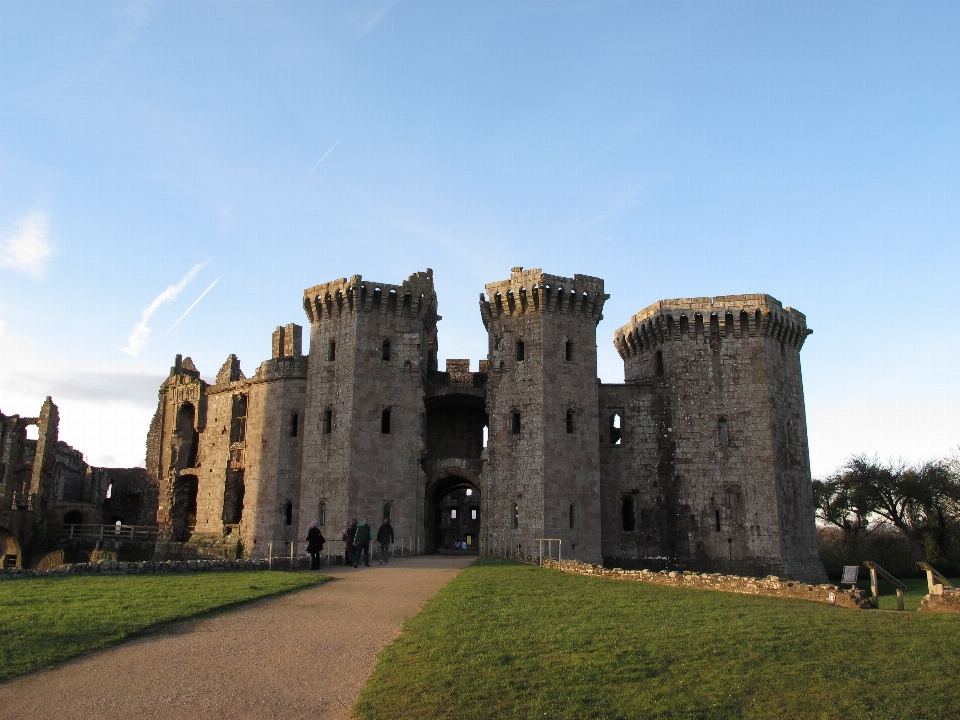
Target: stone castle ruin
698, 460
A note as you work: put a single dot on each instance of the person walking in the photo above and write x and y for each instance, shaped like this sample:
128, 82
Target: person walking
361, 541
315, 541
348, 536
384, 538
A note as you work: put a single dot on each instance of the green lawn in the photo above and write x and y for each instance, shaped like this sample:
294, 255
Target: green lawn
505, 640
44, 621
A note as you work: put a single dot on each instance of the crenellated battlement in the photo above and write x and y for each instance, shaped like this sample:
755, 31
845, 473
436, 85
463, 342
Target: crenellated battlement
736, 316
415, 298
536, 291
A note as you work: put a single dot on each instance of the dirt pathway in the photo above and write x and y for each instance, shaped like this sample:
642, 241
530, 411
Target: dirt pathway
305, 655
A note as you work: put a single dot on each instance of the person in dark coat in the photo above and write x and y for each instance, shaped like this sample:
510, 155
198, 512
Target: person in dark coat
362, 541
348, 535
384, 538
315, 541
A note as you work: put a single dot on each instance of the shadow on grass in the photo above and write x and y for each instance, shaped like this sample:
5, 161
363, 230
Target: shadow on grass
47, 621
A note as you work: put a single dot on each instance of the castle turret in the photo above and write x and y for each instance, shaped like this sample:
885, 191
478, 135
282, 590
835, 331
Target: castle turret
542, 407
730, 368
371, 344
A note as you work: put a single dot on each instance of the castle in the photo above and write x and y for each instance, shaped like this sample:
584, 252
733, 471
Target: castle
698, 460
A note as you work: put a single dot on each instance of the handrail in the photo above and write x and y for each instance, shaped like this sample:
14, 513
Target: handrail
549, 541
874, 583
932, 573
108, 532
402, 546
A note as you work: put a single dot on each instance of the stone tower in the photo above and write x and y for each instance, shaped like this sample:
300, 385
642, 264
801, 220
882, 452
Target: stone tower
734, 426
371, 344
543, 459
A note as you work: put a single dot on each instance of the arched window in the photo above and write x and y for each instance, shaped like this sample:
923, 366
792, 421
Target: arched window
714, 324
571, 515
698, 325
717, 516
387, 507
515, 422
385, 421
322, 513
386, 349
616, 429
728, 324
332, 351
294, 422
722, 435
570, 422
658, 363
684, 326
744, 324
327, 421
568, 353
486, 435
520, 350
288, 513
627, 514
516, 516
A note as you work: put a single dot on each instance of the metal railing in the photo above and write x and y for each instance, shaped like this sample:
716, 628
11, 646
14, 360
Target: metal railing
117, 531
549, 542
293, 553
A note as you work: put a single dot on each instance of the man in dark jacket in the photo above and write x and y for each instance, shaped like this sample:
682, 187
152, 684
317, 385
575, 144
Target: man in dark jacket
348, 535
384, 538
362, 541
315, 541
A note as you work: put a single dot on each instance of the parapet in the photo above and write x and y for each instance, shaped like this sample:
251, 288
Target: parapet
415, 298
535, 291
738, 316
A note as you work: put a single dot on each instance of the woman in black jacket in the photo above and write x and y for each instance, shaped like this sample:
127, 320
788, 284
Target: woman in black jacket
315, 541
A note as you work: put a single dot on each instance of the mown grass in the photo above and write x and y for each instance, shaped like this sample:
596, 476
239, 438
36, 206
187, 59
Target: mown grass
44, 621
505, 640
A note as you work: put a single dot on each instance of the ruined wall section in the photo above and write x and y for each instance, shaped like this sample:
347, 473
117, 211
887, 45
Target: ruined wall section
384, 342
173, 447
538, 470
715, 355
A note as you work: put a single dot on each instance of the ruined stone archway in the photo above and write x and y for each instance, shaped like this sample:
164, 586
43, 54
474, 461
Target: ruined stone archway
452, 513
10, 553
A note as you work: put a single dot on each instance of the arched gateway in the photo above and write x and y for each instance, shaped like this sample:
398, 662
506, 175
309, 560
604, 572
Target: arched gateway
452, 513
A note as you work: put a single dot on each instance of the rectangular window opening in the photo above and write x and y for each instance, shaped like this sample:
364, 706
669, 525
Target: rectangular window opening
332, 351
385, 421
520, 350
515, 422
327, 421
294, 421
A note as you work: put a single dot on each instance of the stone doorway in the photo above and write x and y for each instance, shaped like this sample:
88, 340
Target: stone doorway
453, 516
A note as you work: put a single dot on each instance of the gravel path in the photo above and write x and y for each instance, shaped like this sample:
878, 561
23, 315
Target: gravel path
304, 655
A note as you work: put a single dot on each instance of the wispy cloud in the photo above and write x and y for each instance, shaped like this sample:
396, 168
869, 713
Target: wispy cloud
194, 305
375, 18
28, 247
141, 331
327, 153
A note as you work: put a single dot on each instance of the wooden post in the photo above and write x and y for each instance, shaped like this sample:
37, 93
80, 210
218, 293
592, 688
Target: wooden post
270, 555
875, 587
929, 580
899, 599
293, 544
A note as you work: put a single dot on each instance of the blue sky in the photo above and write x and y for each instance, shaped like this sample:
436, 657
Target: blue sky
807, 150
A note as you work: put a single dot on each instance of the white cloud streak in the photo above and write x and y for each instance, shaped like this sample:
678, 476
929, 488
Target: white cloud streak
28, 248
377, 17
194, 305
327, 153
141, 331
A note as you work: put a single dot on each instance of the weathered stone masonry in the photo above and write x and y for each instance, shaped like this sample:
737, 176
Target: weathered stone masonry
698, 460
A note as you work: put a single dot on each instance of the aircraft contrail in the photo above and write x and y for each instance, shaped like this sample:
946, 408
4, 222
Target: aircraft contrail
194, 305
327, 153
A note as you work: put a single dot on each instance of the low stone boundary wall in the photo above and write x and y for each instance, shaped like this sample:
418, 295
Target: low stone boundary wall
941, 600
769, 586
108, 567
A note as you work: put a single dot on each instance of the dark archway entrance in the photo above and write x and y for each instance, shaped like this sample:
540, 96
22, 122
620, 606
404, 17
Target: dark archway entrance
453, 516
184, 510
10, 554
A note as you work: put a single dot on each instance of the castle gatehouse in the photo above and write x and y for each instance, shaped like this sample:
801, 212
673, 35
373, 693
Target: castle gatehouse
698, 460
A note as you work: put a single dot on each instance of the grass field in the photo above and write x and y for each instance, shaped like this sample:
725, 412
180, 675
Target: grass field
44, 621
505, 640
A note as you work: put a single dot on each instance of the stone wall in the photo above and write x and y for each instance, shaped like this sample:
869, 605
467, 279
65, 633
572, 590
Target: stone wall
941, 599
770, 586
